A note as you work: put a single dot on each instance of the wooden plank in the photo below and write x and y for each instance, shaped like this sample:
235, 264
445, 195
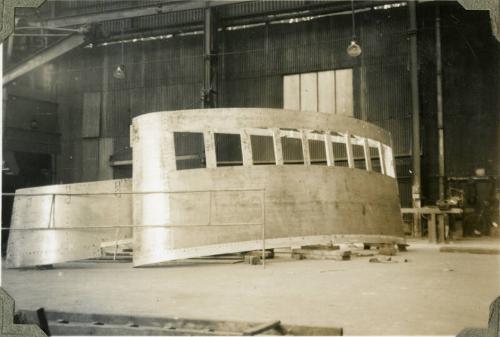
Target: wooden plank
291, 92
309, 92
326, 91
209, 140
69, 324
350, 155
261, 328
344, 92
91, 114
321, 254
430, 210
368, 157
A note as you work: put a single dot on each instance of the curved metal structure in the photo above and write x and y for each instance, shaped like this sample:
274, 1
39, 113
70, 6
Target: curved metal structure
218, 181
59, 223
190, 203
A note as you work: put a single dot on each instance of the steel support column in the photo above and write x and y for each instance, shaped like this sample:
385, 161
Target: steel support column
416, 184
439, 107
209, 84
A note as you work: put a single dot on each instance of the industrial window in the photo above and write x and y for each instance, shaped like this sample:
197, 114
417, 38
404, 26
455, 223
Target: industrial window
292, 150
189, 150
358, 152
317, 152
262, 150
339, 149
375, 159
325, 91
228, 149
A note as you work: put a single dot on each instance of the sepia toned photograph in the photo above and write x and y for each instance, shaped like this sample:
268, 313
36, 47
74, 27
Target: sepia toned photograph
250, 167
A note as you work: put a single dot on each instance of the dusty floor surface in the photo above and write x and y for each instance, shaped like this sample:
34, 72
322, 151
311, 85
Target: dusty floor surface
432, 294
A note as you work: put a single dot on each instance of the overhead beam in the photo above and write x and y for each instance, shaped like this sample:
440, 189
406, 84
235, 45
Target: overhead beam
44, 56
169, 6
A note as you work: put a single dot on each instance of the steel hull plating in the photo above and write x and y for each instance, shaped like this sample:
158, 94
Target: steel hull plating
303, 206
53, 224
176, 212
217, 210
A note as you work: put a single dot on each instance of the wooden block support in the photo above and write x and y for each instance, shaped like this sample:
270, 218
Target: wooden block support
431, 228
321, 254
387, 249
252, 259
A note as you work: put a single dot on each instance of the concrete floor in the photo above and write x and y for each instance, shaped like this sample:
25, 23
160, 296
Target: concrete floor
432, 294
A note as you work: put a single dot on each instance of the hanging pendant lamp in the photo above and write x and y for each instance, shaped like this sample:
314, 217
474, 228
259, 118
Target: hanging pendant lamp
354, 49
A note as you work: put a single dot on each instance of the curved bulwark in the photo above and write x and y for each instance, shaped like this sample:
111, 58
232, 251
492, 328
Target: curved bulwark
215, 210
58, 223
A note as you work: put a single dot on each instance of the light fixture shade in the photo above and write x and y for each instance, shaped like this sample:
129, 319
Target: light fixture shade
354, 50
119, 72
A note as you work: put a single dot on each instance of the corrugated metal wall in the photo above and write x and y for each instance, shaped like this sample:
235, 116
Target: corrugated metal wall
470, 57
161, 75
167, 74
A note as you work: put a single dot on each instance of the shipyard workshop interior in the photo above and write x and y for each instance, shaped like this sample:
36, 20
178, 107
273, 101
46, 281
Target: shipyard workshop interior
251, 167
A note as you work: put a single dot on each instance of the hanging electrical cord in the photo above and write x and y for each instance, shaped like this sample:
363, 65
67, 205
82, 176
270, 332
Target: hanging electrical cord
119, 72
353, 50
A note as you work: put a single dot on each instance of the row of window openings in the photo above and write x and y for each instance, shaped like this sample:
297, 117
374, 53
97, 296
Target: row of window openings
190, 151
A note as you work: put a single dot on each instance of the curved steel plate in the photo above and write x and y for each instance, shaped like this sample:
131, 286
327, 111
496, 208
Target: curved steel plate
229, 209
58, 223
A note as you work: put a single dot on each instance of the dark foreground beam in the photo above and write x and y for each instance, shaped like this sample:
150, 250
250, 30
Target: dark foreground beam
81, 324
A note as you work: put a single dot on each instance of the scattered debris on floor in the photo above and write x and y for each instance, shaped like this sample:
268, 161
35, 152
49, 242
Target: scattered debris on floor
386, 260
362, 253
